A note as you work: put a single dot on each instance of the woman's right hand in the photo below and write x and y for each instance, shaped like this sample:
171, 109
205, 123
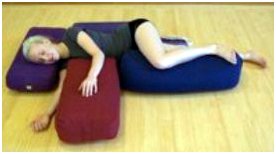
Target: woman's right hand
41, 122
89, 86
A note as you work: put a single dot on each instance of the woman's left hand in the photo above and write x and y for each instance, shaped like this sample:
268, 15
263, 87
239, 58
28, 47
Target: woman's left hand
89, 86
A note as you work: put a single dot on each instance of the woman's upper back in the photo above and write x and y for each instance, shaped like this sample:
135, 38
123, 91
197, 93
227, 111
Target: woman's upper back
113, 45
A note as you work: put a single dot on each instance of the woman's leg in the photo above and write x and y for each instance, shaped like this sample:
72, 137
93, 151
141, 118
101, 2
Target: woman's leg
149, 42
248, 56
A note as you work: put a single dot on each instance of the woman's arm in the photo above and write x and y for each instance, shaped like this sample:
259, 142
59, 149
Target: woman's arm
89, 84
42, 121
57, 93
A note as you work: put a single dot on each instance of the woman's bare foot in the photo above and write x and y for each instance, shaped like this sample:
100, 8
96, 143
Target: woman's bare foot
226, 53
41, 122
252, 57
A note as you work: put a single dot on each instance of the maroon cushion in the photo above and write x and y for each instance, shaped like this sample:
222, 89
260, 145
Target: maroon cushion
82, 119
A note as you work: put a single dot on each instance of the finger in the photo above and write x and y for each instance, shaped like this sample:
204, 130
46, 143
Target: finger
86, 89
43, 125
80, 87
83, 90
33, 125
96, 88
91, 89
36, 126
39, 126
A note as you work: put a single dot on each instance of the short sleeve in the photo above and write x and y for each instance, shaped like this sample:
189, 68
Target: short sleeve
62, 64
72, 33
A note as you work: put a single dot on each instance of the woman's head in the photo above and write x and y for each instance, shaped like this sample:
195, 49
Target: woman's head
40, 49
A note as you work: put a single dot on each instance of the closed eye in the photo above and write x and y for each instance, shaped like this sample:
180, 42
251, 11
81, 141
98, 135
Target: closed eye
40, 60
42, 52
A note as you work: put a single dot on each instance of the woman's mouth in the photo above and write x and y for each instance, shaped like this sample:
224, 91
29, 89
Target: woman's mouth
51, 59
54, 57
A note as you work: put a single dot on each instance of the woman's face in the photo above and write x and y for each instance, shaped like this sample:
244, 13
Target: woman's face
44, 52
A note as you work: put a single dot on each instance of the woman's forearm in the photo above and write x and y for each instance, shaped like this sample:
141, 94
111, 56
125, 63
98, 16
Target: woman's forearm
57, 93
96, 64
54, 104
91, 48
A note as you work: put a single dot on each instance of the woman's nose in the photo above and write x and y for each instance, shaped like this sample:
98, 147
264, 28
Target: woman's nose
46, 57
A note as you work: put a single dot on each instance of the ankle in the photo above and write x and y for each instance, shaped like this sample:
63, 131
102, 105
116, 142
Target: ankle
212, 49
247, 56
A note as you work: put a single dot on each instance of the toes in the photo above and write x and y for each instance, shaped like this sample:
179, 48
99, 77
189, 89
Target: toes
263, 63
233, 61
234, 58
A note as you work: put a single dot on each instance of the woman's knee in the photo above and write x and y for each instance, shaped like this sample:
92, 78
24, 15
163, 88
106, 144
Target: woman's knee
159, 63
145, 29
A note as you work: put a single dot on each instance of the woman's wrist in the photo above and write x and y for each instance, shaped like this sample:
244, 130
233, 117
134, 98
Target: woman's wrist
48, 114
92, 76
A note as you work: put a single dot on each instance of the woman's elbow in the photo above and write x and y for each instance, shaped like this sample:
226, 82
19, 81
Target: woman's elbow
98, 54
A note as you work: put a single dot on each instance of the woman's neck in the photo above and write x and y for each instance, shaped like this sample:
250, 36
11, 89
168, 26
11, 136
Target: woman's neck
62, 50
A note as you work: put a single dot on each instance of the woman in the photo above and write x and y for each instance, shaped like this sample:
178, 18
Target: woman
138, 34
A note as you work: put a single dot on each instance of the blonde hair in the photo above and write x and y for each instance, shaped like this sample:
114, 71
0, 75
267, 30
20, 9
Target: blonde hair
28, 42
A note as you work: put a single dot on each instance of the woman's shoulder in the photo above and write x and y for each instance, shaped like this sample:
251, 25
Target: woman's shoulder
72, 28
72, 32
